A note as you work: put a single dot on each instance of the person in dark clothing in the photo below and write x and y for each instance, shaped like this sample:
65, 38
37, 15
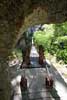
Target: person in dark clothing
23, 83
41, 54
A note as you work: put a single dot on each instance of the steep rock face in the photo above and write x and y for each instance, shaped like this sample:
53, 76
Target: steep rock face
15, 17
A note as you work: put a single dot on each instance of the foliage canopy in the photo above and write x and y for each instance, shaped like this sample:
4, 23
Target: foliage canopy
54, 39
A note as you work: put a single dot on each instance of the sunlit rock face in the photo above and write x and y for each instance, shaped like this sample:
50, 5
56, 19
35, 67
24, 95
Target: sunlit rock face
15, 17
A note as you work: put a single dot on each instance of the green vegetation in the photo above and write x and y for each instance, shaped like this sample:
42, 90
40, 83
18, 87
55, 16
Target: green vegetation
16, 53
54, 40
